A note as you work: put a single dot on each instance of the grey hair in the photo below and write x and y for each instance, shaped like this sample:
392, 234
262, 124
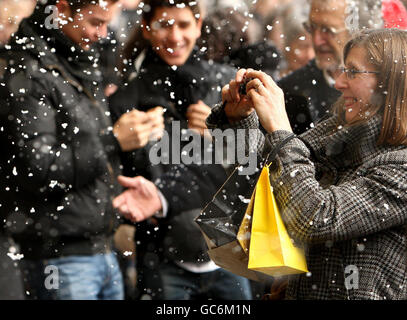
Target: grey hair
361, 14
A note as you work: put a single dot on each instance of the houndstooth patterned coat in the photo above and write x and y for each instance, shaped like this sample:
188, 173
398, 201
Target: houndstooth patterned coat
345, 199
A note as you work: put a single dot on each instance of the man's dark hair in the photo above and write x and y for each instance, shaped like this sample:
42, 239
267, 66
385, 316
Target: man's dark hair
136, 42
150, 6
78, 4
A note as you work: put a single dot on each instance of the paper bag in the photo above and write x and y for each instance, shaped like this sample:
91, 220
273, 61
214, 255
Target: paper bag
220, 220
271, 250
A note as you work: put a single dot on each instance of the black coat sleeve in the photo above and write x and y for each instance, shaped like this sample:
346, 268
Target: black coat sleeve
295, 103
190, 187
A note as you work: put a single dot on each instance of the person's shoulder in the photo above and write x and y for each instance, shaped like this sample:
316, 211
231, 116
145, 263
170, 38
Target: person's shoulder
262, 55
300, 76
396, 155
27, 53
212, 73
216, 67
23, 74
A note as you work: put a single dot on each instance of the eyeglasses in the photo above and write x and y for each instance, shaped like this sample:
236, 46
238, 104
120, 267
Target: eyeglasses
327, 31
351, 73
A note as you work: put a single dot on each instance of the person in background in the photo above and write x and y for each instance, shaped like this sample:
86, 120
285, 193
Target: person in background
341, 187
231, 36
394, 14
224, 31
61, 152
11, 285
273, 26
310, 91
172, 262
298, 49
263, 8
126, 20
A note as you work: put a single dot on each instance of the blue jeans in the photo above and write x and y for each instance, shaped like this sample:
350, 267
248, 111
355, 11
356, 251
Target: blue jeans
180, 284
11, 284
96, 277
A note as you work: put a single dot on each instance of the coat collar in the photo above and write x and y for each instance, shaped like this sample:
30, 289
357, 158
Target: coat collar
345, 146
52, 47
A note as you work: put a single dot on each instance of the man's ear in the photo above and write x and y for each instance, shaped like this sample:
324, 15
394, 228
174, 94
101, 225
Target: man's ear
64, 10
146, 30
199, 26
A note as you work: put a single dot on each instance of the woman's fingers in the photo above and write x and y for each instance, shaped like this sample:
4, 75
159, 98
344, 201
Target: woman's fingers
267, 81
226, 96
118, 201
240, 75
257, 85
256, 98
234, 90
234, 85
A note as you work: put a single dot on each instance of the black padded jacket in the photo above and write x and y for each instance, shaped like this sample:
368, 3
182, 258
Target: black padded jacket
60, 159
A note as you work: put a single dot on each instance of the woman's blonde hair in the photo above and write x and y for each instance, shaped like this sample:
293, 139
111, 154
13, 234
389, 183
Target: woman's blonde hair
386, 49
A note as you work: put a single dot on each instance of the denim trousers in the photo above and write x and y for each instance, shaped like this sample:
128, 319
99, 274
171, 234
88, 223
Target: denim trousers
11, 284
95, 277
180, 284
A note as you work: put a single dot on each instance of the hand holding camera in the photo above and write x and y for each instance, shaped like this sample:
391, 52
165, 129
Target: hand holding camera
234, 97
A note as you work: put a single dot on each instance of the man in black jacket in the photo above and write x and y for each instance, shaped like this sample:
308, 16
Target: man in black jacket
11, 287
170, 247
11, 14
309, 91
60, 153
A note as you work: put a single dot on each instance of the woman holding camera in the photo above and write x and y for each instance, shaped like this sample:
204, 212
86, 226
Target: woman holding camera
342, 186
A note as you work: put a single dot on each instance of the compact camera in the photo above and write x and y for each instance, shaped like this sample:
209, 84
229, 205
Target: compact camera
242, 87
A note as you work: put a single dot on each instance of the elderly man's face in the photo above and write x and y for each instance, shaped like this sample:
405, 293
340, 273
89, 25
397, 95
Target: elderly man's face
329, 34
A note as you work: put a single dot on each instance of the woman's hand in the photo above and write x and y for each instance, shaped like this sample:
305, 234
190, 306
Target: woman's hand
268, 101
237, 106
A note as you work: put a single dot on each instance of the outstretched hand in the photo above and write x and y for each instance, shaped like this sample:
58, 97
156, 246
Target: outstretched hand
140, 201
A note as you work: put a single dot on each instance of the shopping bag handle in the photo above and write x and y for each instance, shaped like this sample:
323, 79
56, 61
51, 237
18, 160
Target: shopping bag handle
273, 153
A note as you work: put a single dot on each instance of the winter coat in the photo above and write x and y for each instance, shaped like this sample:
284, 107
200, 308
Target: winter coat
344, 198
60, 158
308, 97
187, 188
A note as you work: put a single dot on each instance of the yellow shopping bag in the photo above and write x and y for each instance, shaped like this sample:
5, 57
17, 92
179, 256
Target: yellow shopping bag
263, 236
